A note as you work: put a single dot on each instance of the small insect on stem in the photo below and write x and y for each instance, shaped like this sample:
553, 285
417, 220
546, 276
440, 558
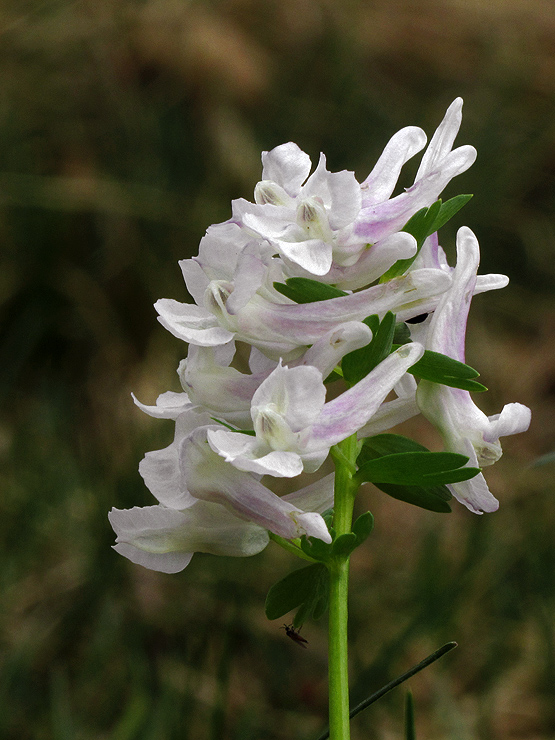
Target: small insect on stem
292, 633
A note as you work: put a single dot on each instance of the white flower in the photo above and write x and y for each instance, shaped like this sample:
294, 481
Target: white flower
226, 393
464, 427
381, 214
188, 471
294, 426
303, 222
165, 539
285, 330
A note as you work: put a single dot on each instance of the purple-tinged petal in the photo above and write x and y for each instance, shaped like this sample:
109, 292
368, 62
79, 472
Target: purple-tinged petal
162, 476
389, 414
297, 394
195, 278
313, 255
448, 325
473, 493
432, 255
267, 221
210, 478
317, 496
249, 276
442, 141
490, 282
373, 261
223, 390
243, 453
270, 193
463, 426
328, 351
338, 191
163, 562
350, 411
265, 324
380, 220
160, 468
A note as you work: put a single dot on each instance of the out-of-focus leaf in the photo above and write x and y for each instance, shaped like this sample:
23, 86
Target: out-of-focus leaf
305, 587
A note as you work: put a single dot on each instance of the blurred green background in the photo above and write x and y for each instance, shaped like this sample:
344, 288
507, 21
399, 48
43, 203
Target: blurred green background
126, 127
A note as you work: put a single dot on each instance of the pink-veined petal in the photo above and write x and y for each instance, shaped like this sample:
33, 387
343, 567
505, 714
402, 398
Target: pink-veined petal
350, 411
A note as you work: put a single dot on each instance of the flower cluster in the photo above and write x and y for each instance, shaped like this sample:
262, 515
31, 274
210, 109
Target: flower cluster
232, 428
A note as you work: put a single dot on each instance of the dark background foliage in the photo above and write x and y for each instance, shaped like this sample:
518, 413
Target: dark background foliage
126, 128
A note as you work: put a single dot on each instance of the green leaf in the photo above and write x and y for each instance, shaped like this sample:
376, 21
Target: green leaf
363, 526
333, 376
356, 365
440, 368
448, 210
305, 587
344, 545
417, 469
373, 322
303, 613
316, 548
387, 444
423, 224
305, 290
402, 334
432, 499
319, 607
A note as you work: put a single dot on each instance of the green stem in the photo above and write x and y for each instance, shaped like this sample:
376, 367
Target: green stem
338, 671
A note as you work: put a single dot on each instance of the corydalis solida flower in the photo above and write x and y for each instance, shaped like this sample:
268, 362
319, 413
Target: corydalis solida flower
233, 426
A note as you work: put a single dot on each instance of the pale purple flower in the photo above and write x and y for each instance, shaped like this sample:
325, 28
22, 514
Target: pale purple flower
327, 225
382, 215
464, 427
233, 427
188, 471
286, 329
323, 225
295, 427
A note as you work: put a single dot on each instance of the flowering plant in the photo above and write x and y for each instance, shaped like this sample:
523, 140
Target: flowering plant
323, 278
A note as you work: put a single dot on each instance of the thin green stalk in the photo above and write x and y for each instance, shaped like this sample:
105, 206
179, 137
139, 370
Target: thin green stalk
344, 456
396, 682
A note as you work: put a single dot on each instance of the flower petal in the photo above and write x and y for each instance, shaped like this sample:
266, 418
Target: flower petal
513, 419
381, 182
165, 539
287, 165
191, 323
211, 479
169, 405
350, 411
